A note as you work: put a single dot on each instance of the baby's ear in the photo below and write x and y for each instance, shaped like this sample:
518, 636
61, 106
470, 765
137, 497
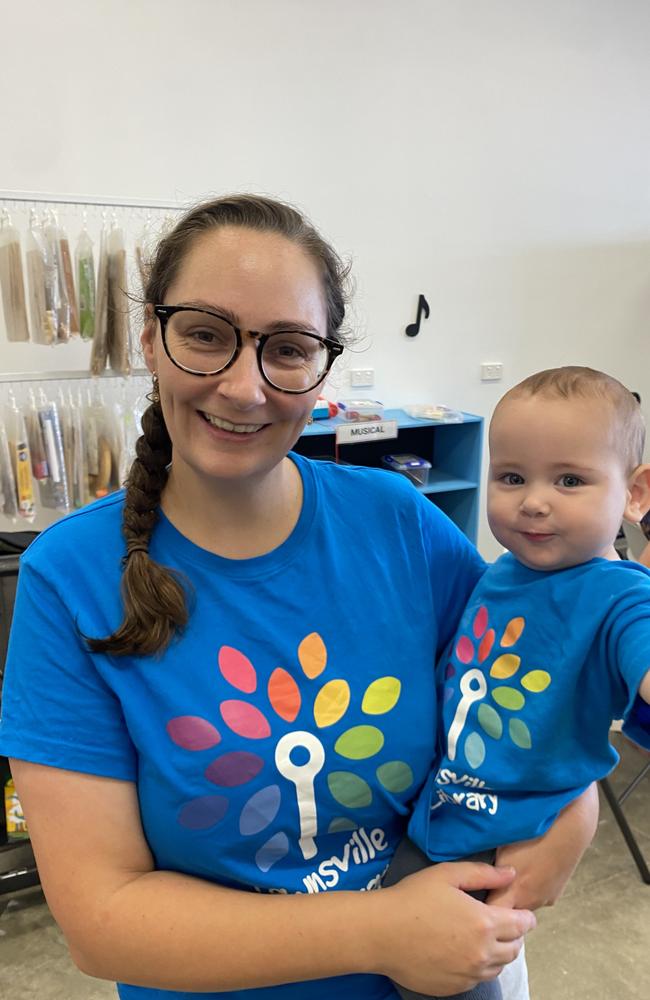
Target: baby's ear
638, 488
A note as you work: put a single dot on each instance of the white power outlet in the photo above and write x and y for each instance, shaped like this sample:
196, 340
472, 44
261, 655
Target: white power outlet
491, 371
362, 378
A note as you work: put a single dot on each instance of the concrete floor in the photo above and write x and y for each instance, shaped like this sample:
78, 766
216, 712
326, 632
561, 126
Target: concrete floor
594, 945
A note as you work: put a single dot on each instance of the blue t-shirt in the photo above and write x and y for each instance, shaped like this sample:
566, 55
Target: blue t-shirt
278, 744
541, 664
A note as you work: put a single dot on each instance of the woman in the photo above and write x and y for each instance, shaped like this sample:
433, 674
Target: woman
255, 713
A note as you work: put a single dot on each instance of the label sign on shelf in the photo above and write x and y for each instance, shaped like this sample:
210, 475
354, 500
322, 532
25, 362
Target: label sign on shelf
373, 430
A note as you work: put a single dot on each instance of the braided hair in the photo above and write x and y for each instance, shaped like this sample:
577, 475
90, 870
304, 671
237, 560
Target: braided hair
153, 596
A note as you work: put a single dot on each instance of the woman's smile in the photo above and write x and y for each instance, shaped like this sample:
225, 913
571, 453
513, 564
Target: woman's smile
231, 428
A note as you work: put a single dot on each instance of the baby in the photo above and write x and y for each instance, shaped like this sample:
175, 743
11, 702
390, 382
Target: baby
555, 640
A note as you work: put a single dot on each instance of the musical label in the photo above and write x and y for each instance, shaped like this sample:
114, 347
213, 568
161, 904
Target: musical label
371, 430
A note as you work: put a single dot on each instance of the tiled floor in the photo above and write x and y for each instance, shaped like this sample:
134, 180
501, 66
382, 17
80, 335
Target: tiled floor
594, 945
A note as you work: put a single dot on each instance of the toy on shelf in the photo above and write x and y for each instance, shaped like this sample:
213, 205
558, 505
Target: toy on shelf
323, 409
361, 409
434, 411
416, 468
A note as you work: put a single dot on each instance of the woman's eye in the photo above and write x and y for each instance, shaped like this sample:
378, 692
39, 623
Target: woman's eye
288, 351
512, 479
203, 336
571, 481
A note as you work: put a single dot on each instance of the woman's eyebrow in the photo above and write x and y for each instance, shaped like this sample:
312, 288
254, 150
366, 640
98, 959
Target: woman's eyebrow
274, 327
211, 307
291, 324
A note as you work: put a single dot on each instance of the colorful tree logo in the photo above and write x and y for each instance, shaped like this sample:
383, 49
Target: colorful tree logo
299, 755
474, 687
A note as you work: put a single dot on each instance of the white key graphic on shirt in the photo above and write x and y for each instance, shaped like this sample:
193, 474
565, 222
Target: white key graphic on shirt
470, 694
302, 776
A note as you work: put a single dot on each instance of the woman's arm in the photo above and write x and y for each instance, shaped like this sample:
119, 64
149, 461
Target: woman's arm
126, 921
545, 865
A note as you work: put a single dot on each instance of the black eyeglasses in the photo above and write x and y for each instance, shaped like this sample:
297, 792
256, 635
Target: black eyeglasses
202, 342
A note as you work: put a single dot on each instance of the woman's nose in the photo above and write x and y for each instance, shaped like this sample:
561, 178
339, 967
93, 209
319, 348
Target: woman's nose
242, 383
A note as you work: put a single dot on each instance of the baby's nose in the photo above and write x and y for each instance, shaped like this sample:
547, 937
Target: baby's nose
535, 504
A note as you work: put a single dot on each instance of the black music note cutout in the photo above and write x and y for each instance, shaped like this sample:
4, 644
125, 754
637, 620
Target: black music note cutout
413, 329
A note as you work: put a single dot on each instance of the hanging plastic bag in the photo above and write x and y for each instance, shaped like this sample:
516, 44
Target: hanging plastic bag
7, 479
106, 480
67, 278
54, 490
98, 456
86, 279
40, 470
67, 437
118, 305
12, 283
79, 481
56, 297
43, 322
99, 352
141, 253
20, 459
132, 405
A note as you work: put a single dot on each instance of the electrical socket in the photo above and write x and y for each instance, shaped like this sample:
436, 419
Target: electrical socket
362, 378
491, 371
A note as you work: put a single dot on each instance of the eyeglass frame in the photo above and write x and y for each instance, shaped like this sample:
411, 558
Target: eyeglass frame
163, 313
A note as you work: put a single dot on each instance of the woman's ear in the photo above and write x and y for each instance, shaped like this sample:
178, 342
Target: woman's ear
148, 336
638, 488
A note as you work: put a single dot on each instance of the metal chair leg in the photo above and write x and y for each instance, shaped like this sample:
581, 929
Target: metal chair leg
619, 816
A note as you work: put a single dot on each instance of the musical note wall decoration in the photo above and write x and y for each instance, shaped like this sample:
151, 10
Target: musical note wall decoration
413, 329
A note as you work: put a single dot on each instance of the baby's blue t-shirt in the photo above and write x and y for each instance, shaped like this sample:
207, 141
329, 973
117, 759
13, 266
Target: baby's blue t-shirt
540, 666
278, 744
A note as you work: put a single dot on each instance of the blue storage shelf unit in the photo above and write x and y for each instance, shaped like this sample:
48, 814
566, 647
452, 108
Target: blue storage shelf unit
454, 451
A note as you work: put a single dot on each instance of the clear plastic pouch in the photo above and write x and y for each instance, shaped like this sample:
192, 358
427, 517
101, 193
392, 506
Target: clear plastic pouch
20, 458
43, 321
119, 334
12, 283
434, 411
99, 352
7, 478
85, 264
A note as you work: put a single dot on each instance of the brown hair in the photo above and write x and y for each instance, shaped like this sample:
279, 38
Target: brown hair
154, 596
574, 381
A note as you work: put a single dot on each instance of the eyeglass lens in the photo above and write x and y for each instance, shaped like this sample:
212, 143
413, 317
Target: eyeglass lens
204, 343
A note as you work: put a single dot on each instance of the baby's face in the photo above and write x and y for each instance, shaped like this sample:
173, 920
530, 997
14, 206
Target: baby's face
557, 488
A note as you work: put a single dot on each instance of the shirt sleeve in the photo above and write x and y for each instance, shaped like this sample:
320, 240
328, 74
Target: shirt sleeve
455, 568
637, 724
628, 647
56, 707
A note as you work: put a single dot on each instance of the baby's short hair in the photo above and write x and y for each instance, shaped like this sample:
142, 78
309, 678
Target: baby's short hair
575, 381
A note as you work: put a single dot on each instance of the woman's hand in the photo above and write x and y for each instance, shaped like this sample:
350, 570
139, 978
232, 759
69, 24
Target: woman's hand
434, 938
545, 865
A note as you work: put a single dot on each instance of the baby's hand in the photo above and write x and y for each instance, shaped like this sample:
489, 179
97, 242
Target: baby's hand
545, 865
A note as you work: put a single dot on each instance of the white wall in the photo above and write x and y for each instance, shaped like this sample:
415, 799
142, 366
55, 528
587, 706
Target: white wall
493, 155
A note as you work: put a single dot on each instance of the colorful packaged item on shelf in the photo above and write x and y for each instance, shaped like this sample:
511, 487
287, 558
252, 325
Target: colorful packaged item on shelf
434, 411
321, 410
15, 819
360, 409
416, 468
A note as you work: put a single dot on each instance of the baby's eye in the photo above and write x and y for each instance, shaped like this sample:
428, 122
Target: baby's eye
570, 481
512, 479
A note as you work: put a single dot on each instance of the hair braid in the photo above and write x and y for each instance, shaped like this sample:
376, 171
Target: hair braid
153, 596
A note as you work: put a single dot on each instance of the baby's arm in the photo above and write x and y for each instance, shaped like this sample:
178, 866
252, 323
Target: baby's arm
545, 865
644, 688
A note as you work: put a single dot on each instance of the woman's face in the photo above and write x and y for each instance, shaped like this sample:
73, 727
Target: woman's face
234, 426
